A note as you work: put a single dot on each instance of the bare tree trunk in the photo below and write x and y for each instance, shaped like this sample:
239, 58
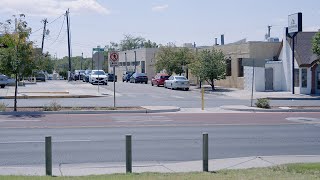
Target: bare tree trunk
15, 93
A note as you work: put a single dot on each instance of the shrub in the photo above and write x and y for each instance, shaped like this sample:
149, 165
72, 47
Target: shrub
3, 106
53, 106
263, 103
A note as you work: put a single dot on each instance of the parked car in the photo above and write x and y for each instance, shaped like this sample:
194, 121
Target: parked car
86, 76
159, 79
126, 77
139, 78
3, 80
177, 82
111, 77
40, 76
78, 74
98, 77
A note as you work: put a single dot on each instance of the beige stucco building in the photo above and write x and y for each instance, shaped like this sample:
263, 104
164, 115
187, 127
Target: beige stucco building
138, 60
235, 53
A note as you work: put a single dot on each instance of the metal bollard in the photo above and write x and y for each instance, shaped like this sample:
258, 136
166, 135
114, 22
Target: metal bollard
48, 152
205, 152
128, 154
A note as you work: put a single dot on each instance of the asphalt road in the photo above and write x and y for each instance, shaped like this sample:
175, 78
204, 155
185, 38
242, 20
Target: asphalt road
156, 137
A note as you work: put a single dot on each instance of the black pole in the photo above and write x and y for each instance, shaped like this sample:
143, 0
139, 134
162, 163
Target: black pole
293, 64
92, 61
135, 61
44, 34
81, 59
125, 58
69, 48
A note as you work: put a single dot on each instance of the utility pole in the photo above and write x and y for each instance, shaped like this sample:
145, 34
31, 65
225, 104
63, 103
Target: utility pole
81, 59
69, 48
44, 34
269, 31
135, 61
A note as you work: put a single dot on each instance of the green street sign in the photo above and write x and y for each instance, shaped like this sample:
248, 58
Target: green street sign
97, 49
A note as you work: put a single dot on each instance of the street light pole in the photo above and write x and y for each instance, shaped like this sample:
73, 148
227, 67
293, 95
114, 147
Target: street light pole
81, 60
135, 61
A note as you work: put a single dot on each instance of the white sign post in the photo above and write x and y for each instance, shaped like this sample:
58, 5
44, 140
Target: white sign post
114, 61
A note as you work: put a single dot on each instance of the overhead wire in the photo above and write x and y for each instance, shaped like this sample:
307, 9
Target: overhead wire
59, 32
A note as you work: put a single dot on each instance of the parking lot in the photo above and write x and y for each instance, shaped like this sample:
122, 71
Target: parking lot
127, 94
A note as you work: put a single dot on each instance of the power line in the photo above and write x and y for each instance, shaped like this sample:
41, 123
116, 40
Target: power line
59, 33
56, 19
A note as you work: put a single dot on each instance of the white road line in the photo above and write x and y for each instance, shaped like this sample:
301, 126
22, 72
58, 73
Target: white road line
58, 141
16, 120
178, 97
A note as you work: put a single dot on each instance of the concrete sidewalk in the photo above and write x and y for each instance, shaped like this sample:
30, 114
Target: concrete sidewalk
56, 89
66, 169
244, 94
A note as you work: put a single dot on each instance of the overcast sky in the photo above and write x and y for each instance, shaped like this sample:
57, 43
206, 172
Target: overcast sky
97, 22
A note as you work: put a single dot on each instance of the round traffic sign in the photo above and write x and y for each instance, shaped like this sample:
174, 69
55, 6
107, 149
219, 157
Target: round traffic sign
114, 56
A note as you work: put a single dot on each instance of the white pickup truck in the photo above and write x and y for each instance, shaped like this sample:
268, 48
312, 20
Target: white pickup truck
3, 80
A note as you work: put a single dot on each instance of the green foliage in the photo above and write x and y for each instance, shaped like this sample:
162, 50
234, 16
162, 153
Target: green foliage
62, 65
3, 106
130, 42
173, 59
263, 103
316, 44
210, 65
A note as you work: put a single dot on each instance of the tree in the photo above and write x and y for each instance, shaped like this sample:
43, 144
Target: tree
173, 60
18, 58
209, 66
130, 42
316, 44
149, 44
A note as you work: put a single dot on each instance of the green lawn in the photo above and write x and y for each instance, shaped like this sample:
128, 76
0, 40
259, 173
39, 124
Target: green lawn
291, 171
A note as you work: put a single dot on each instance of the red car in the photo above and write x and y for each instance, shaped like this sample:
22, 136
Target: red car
159, 79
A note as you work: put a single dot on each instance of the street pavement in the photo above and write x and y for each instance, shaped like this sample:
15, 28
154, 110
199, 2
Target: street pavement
86, 144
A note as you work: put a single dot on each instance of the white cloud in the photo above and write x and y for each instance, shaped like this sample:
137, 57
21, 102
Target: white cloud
51, 7
160, 8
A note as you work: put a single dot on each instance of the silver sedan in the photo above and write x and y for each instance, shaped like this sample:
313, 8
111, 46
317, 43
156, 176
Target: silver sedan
177, 82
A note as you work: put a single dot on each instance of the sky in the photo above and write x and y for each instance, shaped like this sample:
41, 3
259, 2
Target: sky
98, 22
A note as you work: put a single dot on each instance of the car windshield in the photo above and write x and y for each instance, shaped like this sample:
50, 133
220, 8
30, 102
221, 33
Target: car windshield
164, 77
98, 73
82, 71
141, 74
180, 78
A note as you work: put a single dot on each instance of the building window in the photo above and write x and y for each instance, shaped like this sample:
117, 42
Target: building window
143, 66
304, 78
296, 78
240, 68
228, 70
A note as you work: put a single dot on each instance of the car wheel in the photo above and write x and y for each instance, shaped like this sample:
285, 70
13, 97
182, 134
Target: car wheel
151, 83
187, 89
146, 82
158, 85
2, 86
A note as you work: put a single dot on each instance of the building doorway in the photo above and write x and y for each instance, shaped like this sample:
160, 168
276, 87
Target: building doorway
269, 79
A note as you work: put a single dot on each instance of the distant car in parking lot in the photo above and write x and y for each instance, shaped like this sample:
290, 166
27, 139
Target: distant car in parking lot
126, 77
98, 77
177, 82
111, 77
78, 74
3, 80
139, 78
40, 76
86, 76
159, 79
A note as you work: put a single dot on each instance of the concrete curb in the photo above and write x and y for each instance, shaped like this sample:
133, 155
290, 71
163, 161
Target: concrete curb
249, 109
293, 98
176, 109
46, 97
